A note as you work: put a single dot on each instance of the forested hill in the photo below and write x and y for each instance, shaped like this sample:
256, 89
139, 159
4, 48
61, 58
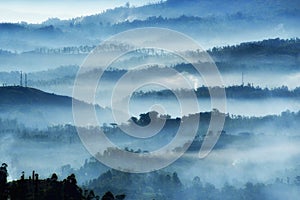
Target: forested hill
275, 46
273, 55
16, 95
38, 108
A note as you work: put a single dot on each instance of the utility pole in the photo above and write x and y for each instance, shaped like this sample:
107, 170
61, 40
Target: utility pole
242, 78
25, 80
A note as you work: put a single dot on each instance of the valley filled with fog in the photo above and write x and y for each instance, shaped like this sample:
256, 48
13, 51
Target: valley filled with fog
259, 143
48, 126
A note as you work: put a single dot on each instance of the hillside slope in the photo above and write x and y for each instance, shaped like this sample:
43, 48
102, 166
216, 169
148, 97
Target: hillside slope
37, 108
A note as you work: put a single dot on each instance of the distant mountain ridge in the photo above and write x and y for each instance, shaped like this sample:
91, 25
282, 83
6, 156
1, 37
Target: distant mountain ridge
210, 22
199, 8
277, 55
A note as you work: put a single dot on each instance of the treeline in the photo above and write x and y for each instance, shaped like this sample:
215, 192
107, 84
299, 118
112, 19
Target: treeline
165, 21
265, 47
162, 185
236, 129
47, 189
234, 92
268, 47
267, 55
159, 185
57, 133
58, 76
64, 50
81, 49
234, 125
155, 185
75, 50
10, 126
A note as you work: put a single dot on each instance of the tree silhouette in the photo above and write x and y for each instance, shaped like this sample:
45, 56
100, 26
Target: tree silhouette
108, 196
71, 190
3, 181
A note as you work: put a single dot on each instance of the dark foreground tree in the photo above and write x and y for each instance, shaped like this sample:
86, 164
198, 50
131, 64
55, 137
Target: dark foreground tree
3, 181
109, 196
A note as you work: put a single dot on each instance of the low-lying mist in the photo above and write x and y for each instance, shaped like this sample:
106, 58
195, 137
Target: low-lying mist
257, 149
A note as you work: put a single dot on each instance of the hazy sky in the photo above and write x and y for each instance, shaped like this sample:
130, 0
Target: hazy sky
36, 11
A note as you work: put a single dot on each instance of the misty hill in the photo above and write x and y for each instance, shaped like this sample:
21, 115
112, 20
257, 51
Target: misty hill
176, 8
274, 55
270, 47
228, 22
38, 108
162, 185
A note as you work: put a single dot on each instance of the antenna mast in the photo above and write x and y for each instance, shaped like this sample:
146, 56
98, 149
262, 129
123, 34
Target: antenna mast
21, 79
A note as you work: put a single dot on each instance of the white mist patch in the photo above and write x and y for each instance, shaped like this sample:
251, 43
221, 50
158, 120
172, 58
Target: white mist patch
260, 159
43, 157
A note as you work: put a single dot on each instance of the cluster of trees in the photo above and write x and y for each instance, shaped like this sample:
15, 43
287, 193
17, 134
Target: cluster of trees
10, 126
58, 133
5, 52
64, 50
83, 49
154, 185
250, 191
159, 20
48, 189
235, 92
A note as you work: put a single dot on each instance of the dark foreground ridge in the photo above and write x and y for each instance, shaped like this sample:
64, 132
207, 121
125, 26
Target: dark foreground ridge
34, 188
15, 95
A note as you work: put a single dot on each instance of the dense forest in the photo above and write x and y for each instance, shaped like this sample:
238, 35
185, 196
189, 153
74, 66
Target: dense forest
168, 186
